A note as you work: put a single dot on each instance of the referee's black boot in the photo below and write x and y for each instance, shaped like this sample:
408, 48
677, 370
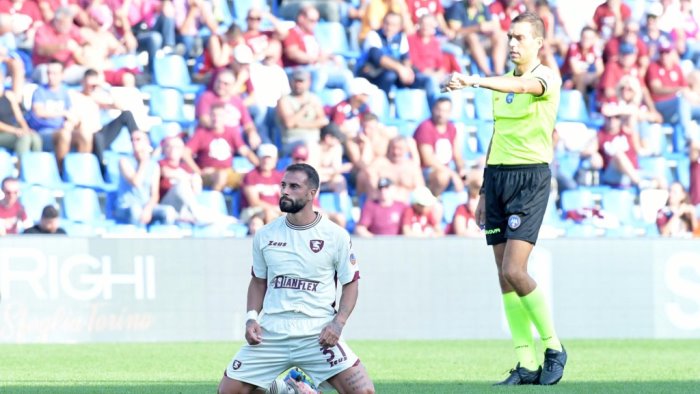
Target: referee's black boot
553, 370
520, 375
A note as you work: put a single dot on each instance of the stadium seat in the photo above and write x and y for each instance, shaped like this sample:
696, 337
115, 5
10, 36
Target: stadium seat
40, 168
7, 165
162, 131
242, 165
333, 38
168, 230
83, 206
214, 200
111, 159
451, 200
331, 97
483, 104
168, 104
484, 132
236, 200
122, 144
572, 107
379, 105
458, 100
568, 164
82, 169
655, 167
338, 203
34, 199
620, 203
683, 171
283, 162
76, 229
171, 72
576, 199
412, 105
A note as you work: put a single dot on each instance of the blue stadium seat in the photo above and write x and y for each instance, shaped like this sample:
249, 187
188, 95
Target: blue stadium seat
683, 171
458, 100
129, 60
576, 199
484, 132
236, 200
655, 167
451, 200
412, 105
619, 202
331, 97
568, 164
159, 132
76, 229
214, 200
572, 107
40, 168
122, 144
112, 163
283, 163
34, 199
82, 169
171, 72
483, 104
338, 203
333, 38
83, 206
7, 165
379, 105
168, 104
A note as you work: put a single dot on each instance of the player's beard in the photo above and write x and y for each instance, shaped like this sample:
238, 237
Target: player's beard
288, 205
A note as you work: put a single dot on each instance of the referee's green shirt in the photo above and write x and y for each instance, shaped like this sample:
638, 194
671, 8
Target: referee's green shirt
523, 123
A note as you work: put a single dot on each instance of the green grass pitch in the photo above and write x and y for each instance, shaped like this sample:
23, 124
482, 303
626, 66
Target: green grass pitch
595, 366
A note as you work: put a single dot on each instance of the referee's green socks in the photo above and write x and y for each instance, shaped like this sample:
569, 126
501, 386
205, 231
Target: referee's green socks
537, 309
519, 323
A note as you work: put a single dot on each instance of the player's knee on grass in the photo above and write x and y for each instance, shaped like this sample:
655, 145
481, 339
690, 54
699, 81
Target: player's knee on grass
354, 380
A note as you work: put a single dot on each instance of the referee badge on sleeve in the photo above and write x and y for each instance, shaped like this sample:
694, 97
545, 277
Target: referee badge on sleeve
514, 222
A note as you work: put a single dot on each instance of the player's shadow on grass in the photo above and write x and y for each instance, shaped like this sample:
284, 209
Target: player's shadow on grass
653, 387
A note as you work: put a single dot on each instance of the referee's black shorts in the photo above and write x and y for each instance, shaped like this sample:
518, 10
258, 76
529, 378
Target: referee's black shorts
516, 200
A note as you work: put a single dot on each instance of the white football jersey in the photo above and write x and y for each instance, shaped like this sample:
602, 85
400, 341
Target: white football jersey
302, 265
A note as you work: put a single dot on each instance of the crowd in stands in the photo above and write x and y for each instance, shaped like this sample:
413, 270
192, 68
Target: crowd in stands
188, 111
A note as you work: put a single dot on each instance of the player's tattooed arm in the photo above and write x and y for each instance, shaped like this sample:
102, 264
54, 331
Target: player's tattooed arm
331, 332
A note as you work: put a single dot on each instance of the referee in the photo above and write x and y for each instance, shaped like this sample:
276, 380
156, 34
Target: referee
515, 192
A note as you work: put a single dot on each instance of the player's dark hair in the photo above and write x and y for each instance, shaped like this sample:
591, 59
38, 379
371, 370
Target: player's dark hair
534, 20
312, 180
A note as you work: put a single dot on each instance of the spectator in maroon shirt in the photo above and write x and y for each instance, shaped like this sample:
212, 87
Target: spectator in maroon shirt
236, 115
464, 222
381, 216
630, 35
211, 149
258, 39
420, 219
677, 218
261, 187
60, 41
13, 218
609, 18
425, 52
670, 91
583, 65
626, 64
438, 147
505, 10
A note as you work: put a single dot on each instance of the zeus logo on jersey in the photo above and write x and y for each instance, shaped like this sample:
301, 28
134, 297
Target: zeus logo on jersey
285, 282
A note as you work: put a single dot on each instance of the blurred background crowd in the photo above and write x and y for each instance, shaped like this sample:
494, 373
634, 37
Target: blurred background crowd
178, 117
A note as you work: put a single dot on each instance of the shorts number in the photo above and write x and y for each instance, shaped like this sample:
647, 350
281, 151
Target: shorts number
331, 355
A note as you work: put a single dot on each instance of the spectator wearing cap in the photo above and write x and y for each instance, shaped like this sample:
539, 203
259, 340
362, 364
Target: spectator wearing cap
400, 164
626, 64
300, 116
385, 59
13, 217
670, 91
630, 35
264, 84
420, 219
438, 146
261, 187
609, 18
331, 168
583, 64
347, 113
302, 49
211, 149
237, 118
381, 215
48, 224
59, 41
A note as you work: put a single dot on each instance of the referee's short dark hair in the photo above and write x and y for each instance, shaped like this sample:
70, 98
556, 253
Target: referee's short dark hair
534, 20
312, 180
